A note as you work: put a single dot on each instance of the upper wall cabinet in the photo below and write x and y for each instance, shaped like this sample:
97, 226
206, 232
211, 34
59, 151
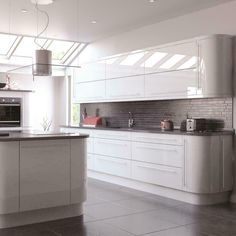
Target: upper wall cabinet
125, 65
197, 68
182, 56
216, 66
91, 71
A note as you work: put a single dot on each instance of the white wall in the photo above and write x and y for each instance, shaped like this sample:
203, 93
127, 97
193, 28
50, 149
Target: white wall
49, 99
220, 19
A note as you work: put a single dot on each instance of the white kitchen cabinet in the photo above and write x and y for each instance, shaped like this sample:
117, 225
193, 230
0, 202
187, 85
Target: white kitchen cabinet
125, 88
216, 66
172, 57
91, 71
78, 173
113, 166
175, 84
108, 134
127, 64
158, 174
208, 164
90, 91
9, 177
113, 148
169, 155
169, 139
90, 161
44, 174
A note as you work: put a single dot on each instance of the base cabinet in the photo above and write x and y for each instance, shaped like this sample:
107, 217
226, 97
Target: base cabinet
44, 174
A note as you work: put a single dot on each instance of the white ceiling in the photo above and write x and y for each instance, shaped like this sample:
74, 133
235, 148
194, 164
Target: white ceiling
71, 19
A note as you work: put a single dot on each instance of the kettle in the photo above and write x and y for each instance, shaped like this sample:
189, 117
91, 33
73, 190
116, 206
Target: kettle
167, 125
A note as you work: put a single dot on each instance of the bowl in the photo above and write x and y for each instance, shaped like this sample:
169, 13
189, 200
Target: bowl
2, 85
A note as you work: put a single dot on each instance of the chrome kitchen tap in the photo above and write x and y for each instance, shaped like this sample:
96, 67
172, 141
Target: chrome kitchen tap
131, 120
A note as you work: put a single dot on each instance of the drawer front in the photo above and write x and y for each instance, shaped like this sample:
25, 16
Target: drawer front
113, 166
158, 138
106, 134
170, 155
157, 174
114, 148
90, 162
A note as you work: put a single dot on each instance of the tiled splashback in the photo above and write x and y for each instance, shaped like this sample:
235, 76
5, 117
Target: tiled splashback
150, 113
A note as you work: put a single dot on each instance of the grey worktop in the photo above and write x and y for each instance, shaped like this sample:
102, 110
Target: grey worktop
27, 136
157, 130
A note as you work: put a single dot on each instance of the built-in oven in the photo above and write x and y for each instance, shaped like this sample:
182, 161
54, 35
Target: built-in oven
10, 112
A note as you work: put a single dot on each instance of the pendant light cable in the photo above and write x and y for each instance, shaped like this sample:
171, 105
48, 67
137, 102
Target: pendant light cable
44, 29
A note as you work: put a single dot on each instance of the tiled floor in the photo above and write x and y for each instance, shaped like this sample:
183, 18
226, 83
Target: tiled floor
112, 210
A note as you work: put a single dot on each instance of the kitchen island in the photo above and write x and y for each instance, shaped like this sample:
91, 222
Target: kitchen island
42, 177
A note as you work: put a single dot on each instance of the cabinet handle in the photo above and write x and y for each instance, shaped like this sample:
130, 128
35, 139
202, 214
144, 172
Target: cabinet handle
157, 149
114, 161
117, 144
158, 169
156, 139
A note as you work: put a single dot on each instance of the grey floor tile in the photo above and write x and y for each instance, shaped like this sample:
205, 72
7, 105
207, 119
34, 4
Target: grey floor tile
179, 215
188, 230
92, 199
142, 204
107, 210
139, 224
92, 229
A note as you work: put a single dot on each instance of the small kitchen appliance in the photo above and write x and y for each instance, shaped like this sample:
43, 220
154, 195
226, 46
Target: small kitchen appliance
196, 124
92, 121
167, 125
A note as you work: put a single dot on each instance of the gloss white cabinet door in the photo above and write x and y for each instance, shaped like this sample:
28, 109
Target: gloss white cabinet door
158, 174
175, 84
90, 91
9, 177
113, 166
170, 155
216, 66
125, 88
44, 174
113, 148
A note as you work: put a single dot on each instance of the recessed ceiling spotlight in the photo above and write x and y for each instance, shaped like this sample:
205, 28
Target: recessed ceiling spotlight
152, 1
93, 22
24, 10
42, 2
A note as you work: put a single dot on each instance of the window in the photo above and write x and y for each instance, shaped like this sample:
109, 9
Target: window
59, 49
7, 41
27, 47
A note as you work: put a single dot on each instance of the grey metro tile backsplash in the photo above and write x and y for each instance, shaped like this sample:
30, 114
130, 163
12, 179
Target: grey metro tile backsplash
149, 113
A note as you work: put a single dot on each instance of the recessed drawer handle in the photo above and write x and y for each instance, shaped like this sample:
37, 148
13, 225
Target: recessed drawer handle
157, 169
111, 136
117, 162
117, 144
157, 139
157, 149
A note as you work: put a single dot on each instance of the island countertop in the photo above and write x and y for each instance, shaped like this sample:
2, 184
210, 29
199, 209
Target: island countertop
6, 136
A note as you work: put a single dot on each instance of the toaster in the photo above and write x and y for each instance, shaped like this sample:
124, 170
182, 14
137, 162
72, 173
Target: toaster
196, 124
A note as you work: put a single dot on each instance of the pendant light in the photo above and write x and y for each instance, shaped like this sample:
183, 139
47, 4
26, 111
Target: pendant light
43, 57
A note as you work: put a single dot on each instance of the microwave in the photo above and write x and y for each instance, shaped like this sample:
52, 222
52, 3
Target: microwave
10, 112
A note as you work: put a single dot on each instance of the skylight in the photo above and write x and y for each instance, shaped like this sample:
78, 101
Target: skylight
19, 50
172, 61
132, 59
27, 47
7, 41
189, 63
59, 48
154, 59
